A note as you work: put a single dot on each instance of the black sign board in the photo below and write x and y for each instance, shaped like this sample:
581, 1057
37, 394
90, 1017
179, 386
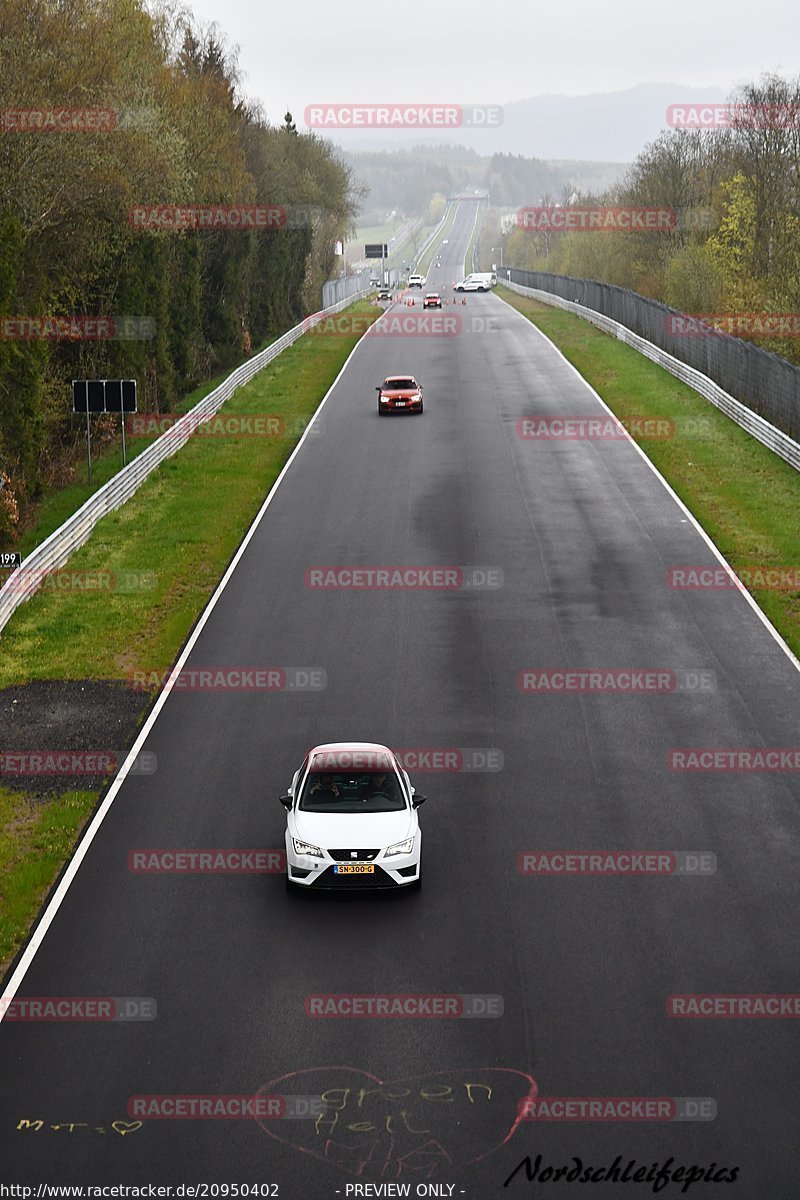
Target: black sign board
10, 560
376, 250
104, 395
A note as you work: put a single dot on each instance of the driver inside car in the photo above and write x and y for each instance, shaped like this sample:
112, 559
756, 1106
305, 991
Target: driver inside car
324, 787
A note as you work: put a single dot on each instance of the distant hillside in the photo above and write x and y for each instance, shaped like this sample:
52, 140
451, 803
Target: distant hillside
407, 178
612, 126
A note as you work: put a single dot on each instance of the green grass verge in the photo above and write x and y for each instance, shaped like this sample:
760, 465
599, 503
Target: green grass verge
35, 842
744, 496
176, 535
376, 233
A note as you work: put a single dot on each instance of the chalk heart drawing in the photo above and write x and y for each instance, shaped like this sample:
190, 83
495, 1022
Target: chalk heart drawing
409, 1129
124, 1127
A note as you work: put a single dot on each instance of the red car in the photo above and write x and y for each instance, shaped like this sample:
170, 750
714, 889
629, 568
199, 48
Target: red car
432, 300
399, 393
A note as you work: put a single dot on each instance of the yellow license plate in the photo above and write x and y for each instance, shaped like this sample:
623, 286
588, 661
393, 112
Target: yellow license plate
354, 869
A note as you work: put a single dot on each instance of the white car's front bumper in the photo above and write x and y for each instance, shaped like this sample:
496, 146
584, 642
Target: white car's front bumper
398, 870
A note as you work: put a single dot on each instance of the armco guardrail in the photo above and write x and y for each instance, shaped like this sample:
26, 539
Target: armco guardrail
764, 382
775, 439
57, 548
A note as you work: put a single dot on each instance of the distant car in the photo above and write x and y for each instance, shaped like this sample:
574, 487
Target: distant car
444, 243
385, 293
399, 393
432, 300
351, 820
374, 280
416, 281
472, 285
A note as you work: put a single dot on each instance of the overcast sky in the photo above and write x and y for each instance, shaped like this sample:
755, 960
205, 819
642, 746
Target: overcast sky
294, 54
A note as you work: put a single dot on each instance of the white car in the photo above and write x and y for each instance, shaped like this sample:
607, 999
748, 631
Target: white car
352, 820
416, 281
472, 285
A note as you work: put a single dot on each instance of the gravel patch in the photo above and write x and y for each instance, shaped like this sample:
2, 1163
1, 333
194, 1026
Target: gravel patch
59, 735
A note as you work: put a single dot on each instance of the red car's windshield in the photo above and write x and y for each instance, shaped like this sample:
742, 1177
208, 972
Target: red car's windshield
400, 385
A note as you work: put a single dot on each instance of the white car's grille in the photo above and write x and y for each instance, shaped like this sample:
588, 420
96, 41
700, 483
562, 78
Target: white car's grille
353, 855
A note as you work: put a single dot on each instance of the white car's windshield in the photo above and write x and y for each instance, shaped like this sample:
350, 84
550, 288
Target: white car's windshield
359, 792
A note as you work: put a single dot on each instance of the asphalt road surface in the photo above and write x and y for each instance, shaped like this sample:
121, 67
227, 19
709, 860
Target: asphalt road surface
580, 534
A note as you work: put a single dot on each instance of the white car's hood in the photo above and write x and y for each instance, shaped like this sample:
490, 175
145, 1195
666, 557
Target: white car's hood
353, 831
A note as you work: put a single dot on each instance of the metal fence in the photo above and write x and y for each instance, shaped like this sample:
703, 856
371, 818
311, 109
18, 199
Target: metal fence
57, 548
349, 286
766, 433
766, 383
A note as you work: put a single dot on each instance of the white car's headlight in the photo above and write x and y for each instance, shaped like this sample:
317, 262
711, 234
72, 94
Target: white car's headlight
401, 847
301, 847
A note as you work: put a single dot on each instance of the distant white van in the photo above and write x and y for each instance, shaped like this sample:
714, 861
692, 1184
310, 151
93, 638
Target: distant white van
487, 277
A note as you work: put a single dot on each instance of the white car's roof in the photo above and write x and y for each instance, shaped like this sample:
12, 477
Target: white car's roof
350, 746
359, 756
